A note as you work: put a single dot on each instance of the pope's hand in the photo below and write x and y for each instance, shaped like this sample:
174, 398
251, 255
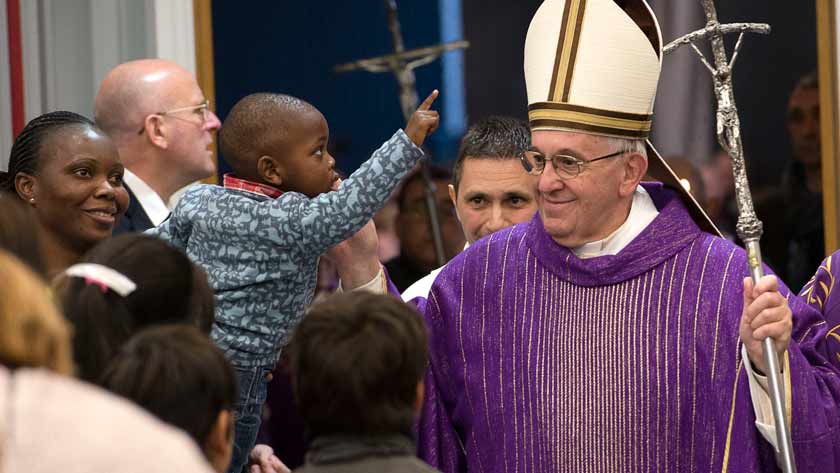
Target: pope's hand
766, 314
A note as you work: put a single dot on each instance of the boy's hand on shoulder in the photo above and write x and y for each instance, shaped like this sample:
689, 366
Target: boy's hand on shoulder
423, 122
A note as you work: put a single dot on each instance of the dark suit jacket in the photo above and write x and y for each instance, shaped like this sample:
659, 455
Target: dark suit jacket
135, 218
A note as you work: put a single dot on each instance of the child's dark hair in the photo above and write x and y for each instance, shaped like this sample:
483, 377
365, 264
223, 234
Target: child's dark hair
356, 360
247, 127
178, 374
26, 150
170, 289
494, 137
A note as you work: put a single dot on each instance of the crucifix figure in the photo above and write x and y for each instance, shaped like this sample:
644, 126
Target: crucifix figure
749, 227
402, 64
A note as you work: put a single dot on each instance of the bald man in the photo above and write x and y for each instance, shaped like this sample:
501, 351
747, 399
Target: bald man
162, 124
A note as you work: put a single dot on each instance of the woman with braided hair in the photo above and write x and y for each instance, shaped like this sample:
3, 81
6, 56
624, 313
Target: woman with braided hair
70, 173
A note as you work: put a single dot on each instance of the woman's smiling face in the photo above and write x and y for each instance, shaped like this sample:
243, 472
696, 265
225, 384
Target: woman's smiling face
78, 188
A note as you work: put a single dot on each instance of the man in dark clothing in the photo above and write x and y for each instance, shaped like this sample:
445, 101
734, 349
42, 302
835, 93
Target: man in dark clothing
794, 242
803, 186
359, 399
417, 250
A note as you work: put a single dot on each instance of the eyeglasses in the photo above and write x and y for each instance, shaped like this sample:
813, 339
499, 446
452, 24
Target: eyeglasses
565, 166
202, 109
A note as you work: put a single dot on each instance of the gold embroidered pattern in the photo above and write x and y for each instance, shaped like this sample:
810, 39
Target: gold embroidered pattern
814, 294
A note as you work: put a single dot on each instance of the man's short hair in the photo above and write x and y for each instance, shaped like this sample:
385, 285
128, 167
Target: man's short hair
178, 374
356, 360
494, 137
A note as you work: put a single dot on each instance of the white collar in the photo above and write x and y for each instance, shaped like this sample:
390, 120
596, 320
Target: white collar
151, 202
642, 212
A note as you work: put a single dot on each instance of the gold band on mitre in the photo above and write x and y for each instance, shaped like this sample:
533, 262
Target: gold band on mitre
564, 116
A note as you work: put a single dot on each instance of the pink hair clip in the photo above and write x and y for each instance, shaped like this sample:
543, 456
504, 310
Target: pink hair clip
102, 286
102, 277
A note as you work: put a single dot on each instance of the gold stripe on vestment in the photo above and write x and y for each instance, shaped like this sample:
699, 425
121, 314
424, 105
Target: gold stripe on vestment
723, 285
657, 370
501, 350
694, 350
725, 467
678, 453
481, 336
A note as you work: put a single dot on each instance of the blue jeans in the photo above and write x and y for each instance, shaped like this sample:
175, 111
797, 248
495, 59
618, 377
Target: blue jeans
253, 387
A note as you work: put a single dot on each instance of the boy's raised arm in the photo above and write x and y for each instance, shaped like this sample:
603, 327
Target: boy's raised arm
334, 216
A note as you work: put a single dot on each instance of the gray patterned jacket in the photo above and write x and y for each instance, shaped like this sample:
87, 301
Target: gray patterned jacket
261, 255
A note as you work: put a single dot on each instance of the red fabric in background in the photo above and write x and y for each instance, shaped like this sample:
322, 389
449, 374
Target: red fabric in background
15, 64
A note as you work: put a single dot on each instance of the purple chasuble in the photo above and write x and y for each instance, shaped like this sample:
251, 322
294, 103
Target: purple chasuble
543, 362
822, 294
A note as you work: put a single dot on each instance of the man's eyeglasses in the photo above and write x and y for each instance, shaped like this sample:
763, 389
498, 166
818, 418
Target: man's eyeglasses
203, 109
565, 166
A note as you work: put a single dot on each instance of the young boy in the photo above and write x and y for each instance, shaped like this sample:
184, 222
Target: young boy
360, 397
176, 373
260, 235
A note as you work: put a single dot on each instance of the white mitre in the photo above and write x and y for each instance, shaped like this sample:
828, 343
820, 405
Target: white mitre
589, 67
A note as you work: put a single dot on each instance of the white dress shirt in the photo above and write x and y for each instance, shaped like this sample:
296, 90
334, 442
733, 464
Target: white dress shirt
151, 202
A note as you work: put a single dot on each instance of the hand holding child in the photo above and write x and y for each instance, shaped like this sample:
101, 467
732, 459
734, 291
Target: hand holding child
423, 122
356, 257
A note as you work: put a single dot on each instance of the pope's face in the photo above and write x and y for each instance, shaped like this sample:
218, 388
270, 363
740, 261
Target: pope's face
588, 207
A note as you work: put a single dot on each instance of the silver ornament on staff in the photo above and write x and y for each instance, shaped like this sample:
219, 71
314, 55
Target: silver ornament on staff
402, 64
749, 227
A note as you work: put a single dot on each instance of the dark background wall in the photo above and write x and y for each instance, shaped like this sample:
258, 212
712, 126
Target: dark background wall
494, 75
768, 68
291, 47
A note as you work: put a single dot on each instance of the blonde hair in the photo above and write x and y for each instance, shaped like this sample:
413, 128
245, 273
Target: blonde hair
32, 331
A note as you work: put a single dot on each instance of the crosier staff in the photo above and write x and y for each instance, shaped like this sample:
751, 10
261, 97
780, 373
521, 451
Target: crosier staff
749, 227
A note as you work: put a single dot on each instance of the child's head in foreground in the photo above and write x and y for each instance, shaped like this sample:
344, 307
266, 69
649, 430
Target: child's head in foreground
281, 141
178, 374
357, 362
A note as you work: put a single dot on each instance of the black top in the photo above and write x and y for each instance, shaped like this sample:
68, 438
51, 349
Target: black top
135, 218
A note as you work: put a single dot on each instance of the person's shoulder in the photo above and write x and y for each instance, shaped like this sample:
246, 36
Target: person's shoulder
718, 252
718, 243
500, 240
422, 286
391, 463
197, 193
55, 407
487, 252
203, 189
219, 199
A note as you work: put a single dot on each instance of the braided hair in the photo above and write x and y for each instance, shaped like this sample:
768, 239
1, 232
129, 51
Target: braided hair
26, 149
